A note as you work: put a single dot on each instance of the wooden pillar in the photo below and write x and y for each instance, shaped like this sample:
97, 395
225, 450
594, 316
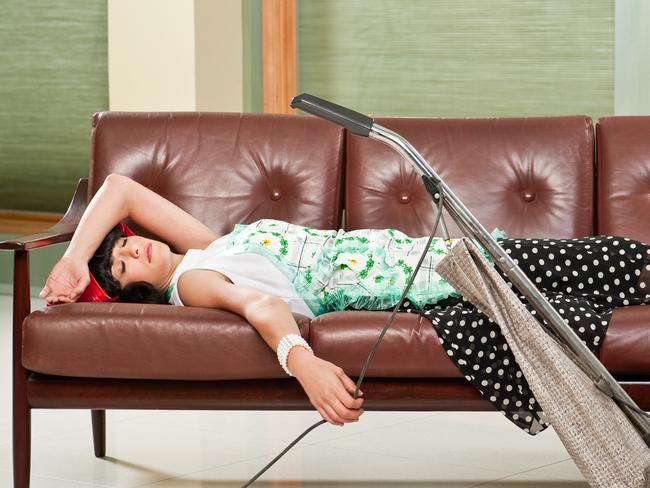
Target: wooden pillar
279, 55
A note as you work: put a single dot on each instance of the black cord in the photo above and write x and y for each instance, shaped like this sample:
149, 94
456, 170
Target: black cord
439, 193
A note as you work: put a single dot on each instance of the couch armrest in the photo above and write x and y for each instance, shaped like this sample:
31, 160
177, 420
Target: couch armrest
62, 231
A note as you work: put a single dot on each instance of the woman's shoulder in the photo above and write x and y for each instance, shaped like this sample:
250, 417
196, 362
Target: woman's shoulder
194, 266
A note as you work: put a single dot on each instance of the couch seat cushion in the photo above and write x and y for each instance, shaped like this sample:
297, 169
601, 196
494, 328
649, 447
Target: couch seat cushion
136, 341
410, 348
626, 348
187, 343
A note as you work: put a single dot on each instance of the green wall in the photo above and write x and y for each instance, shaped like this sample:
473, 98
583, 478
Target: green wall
452, 58
252, 55
53, 77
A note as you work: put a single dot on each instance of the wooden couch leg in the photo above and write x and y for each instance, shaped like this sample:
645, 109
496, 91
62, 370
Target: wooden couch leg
22, 413
99, 432
22, 430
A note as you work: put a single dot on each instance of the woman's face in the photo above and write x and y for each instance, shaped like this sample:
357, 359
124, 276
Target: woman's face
136, 258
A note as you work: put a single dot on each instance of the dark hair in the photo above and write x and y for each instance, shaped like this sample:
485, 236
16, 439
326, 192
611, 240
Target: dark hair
101, 264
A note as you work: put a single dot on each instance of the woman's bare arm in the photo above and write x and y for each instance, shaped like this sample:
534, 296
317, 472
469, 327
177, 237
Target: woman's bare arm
117, 199
328, 387
164, 219
120, 198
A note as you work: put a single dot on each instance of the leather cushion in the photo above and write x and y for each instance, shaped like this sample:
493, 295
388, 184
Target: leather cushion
532, 177
164, 342
123, 340
186, 343
624, 176
627, 342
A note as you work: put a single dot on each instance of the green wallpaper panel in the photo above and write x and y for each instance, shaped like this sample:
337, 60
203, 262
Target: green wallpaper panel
452, 58
252, 55
53, 77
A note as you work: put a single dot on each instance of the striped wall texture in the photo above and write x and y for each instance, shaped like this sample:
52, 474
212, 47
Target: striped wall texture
452, 58
53, 77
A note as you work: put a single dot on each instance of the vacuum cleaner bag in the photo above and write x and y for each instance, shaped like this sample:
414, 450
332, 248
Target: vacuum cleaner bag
600, 439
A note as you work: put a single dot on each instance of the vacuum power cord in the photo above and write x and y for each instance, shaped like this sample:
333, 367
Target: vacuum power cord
430, 185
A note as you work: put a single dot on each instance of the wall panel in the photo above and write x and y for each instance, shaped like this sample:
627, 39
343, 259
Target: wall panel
53, 77
459, 59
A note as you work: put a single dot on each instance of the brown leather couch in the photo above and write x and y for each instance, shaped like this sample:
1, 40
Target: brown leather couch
531, 177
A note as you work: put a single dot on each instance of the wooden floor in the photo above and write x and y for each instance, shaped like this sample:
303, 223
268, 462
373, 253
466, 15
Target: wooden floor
23, 223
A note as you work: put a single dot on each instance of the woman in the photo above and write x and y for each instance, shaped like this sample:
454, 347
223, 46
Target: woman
337, 270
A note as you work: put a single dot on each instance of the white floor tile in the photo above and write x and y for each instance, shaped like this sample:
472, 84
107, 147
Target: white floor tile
484, 440
522, 482
278, 425
138, 453
317, 465
6, 480
561, 471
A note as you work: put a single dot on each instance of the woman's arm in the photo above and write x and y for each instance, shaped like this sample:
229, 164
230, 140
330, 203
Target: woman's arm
328, 387
119, 198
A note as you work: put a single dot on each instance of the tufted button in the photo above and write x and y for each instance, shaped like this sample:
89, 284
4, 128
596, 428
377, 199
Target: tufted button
275, 194
404, 197
529, 195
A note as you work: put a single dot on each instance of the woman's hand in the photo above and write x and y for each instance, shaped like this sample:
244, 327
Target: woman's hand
67, 281
329, 389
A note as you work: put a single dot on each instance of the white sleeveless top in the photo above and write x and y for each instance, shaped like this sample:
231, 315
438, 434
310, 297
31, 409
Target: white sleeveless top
244, 269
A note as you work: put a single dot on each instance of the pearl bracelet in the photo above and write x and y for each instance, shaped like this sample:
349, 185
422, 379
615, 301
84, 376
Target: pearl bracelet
287, 342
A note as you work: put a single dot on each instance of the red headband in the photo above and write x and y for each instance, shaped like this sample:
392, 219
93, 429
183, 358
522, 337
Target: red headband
94, 292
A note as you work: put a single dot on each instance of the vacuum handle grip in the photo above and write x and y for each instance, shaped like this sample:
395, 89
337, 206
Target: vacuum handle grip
355, 122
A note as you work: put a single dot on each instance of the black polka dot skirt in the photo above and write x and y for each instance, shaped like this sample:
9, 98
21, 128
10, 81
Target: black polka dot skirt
583, 279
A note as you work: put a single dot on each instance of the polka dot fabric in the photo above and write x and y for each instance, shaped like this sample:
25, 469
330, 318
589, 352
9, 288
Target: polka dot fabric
583, 279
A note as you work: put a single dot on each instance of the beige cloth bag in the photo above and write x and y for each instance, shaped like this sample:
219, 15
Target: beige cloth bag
607, 449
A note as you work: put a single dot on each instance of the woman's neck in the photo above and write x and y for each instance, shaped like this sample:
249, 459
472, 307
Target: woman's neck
176, 260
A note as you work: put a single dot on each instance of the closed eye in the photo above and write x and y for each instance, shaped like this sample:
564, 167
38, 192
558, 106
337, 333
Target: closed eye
123, 264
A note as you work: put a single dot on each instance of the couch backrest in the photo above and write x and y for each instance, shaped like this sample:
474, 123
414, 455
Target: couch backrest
532, 177
227, 168
624, 176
